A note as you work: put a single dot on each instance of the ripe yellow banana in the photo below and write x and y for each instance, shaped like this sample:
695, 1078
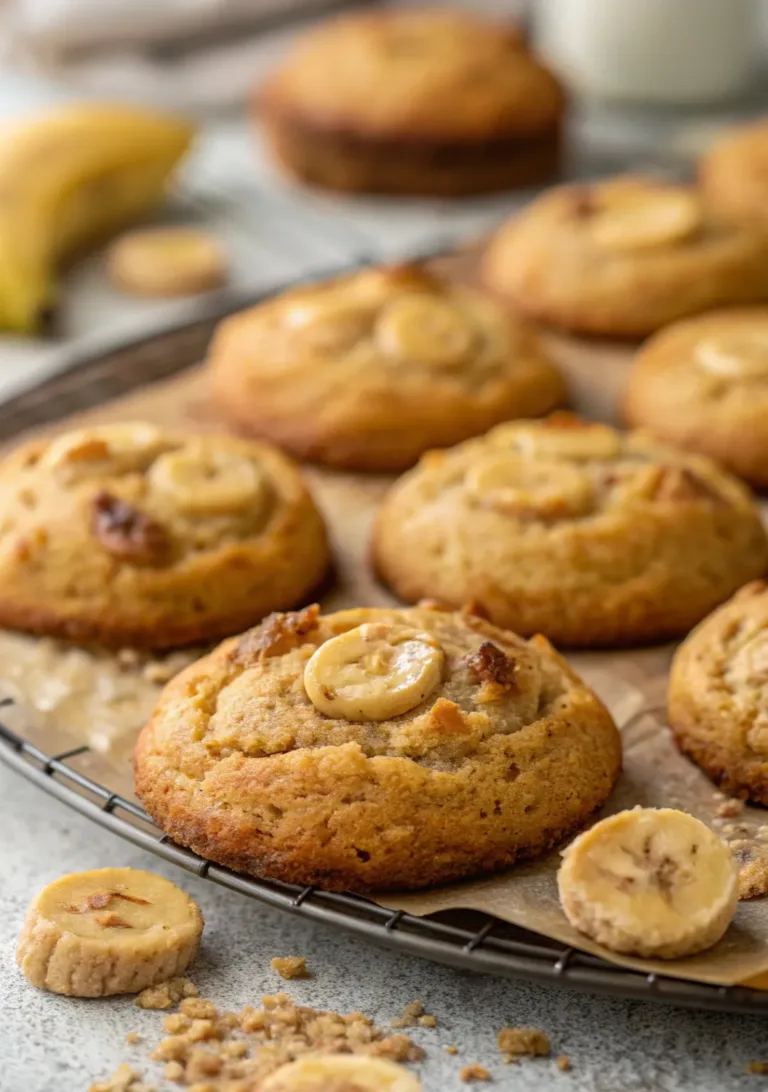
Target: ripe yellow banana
67, 180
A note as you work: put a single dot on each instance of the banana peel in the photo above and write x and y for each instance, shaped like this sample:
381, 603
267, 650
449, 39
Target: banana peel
69, 180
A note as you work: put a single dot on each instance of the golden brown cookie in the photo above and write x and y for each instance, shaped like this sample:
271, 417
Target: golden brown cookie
718, 695
702, 384
623, 257
733, 174
419, 101
374, 749
370, 370
128, 535
572, 529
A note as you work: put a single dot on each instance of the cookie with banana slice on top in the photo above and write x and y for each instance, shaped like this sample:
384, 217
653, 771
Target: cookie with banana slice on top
702, 384
573, 529
370, 370
129, 535
375, 749
624, 257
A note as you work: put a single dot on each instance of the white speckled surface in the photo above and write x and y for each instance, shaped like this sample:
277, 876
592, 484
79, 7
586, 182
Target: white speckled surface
56, 1044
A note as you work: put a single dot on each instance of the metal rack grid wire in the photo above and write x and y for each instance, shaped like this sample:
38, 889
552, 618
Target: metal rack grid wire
469, 940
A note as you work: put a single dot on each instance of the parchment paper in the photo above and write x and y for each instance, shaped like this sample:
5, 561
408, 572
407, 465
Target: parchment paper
633, 685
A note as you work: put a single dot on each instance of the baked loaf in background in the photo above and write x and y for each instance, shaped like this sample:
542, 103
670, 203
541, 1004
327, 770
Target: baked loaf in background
431, 101
370, 370
702, 384
129, 535
375, 749
572, 529
624, 257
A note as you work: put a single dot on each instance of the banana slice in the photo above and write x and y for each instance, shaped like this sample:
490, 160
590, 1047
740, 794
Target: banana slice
569, 439
421, 328
373, 672
167, 262
203, 480
511, 483
111, 930
641, 219
735, 356
119, 448
329, 322
341, 1073
649, 882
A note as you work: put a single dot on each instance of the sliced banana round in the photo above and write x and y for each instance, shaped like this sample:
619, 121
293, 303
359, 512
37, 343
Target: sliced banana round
178, 261
735, 356
649, 882
341, 1073
426, 330
641, 219
571, 439
373, 672
108, 931
201, 479
119, 448
516, 485
329, 322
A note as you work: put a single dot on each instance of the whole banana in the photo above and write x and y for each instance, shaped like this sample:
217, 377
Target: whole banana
69, 179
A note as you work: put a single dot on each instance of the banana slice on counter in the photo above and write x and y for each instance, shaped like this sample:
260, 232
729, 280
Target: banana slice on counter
341, 1073
738, 356
547, 489
373, 672
426, 330
167, 262
125, 446
566, 439
108, 931
201, 480
652, 882
642, 219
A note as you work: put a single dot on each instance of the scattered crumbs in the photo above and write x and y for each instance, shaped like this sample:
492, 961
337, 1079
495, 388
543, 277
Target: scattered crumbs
132, 1038
563, 1063
753, 878
428, 1021
290, 967
517, 1041
758, 1068
729, 809
739, 843
717, 795
413, 1014
124, 1079
128, 657
167, 994
174, 1071
474, 1072
451, 1049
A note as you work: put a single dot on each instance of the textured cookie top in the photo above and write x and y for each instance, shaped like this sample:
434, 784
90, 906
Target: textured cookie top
416, 683
435, 74
734, 173
394, 326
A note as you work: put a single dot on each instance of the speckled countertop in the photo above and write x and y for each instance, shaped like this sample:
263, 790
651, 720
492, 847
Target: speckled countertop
57, 1044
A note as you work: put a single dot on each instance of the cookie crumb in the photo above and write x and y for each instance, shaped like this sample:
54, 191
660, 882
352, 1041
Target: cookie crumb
412, 1015
132, 1038
450, 1049
428, 1021
166, 994
758, 1068
563, 1063
520, 1041
471, 1073
174, 1071
290, 967
124, 1079
730, 808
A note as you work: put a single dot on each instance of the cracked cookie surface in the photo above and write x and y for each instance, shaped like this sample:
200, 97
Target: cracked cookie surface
375, 749
128, 535
370, 370
572, 529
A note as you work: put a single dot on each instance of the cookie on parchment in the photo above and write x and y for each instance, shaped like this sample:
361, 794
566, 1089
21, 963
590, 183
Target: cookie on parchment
128, 535
624, 257
370, 370
572, 529
702, 384
375, 749
433, 101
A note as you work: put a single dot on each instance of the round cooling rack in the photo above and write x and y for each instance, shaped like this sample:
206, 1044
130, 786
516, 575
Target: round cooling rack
471, 940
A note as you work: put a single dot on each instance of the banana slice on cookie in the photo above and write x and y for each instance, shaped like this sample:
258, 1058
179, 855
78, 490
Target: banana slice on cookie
564, 437
108, 931
516, 485
641, 218
341, 1073
652, 882
738, 356
203, 480
373, 672
120, 448
421, 328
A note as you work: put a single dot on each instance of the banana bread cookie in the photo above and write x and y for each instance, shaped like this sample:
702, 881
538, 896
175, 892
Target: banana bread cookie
622, 258
127, 535
571, 529
718, 695
431, 101
702, 384
368, 371
734, 174
375, 749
